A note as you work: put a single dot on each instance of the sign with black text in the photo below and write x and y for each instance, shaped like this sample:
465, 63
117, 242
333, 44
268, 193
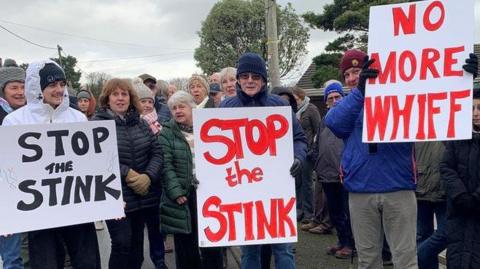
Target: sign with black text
54, 175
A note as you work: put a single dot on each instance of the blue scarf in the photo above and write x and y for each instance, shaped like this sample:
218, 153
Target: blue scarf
5, 106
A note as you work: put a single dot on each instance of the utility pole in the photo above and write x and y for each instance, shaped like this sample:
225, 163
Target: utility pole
272, 42
60, 56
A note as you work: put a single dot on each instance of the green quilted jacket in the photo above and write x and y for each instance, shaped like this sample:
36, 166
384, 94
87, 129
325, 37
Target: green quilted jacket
178, 177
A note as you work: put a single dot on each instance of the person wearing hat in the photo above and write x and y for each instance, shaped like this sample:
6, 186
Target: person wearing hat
216, 94
198, 87
48, 102
12, 88
326, 155
86, 103
12, 97
380, 178
155, 86
252, 92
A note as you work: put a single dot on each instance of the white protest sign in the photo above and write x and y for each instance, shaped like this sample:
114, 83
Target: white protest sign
246, 194
422, 92
54, 175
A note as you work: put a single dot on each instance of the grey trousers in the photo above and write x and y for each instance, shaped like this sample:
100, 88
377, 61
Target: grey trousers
394, 213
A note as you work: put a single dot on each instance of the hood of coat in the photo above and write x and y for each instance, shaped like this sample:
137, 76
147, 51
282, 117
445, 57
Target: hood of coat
33, 91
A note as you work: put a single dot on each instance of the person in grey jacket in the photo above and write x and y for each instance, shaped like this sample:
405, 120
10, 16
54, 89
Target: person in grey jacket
327, 151
309, 117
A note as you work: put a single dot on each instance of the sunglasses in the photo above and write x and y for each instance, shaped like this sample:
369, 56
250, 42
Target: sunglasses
252, 75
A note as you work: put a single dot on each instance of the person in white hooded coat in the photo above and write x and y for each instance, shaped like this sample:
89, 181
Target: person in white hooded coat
48, 102
37, 111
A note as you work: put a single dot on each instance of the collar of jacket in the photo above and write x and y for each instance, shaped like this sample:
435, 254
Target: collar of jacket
131, 117
258, 99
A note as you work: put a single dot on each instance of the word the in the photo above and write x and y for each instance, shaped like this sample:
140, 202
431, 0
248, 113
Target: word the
252, 176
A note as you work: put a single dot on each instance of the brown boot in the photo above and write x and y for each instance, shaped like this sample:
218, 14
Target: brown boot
320, 229
344, 253
306, 227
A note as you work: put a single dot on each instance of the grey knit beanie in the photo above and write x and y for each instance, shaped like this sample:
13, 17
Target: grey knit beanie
10, 72
143, 91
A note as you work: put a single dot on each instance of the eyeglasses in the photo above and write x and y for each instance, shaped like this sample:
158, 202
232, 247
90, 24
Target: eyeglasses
245, 76
336, 98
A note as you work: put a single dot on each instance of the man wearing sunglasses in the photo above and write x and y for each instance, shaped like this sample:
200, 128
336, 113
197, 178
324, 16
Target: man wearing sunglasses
252, 92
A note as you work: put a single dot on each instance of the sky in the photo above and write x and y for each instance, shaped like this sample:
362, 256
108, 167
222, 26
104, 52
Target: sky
126, 38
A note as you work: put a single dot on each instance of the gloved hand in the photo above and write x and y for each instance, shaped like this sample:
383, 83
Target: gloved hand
140, 184
296, 168
195, 182
471, 65
131, 173
465, 203
365, 74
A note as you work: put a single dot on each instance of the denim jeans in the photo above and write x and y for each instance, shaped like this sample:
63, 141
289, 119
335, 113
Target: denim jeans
10, 251
430, 242
337, 202
283, 254
304, 192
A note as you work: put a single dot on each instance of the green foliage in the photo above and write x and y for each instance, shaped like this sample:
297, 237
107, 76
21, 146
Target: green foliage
327, 68
68, 65
237, 26
349, 18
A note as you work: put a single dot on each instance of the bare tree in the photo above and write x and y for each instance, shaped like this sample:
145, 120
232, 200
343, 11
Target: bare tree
95, 81
180, 83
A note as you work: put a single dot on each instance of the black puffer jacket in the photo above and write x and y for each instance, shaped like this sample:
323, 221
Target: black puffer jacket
138, 149
460, 169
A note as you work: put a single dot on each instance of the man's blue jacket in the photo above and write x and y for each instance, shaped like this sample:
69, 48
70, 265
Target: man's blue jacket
391, 168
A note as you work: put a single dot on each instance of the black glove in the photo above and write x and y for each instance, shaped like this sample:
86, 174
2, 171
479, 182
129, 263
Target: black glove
471, 65
195, 182
365, 74
296, 168
465, 203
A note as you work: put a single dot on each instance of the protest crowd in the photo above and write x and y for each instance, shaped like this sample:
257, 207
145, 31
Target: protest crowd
388, 203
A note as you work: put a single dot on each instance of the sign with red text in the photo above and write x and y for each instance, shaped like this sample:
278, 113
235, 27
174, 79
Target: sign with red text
246, 194
421, 93
54, 175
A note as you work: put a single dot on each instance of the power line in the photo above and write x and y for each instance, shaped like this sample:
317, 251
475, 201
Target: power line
26, 40
88, 37
133, 57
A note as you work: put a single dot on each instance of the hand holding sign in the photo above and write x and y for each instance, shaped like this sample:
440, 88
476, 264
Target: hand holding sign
471, 65
296, 168
366, 73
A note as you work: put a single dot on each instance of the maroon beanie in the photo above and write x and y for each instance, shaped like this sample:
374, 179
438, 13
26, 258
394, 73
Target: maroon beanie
352, 58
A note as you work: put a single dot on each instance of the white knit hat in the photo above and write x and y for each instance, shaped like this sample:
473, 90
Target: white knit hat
143, 91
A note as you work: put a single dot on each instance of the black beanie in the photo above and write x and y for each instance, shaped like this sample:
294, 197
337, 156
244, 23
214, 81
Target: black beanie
253, 63
49, 74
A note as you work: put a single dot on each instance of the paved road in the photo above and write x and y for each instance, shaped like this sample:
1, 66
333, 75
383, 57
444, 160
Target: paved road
310, 253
